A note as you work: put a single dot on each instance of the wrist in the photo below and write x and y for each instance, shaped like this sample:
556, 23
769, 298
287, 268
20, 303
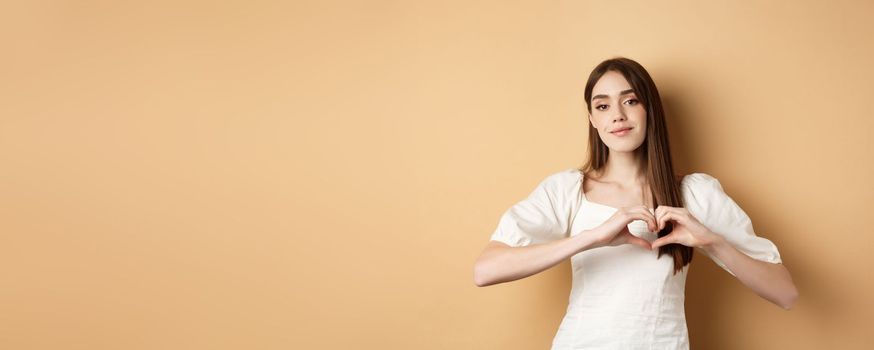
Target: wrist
714, 243
586, 240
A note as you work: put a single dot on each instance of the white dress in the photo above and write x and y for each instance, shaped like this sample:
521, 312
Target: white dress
624, 297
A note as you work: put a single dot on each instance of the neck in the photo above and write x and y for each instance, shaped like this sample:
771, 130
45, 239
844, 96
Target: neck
624, 168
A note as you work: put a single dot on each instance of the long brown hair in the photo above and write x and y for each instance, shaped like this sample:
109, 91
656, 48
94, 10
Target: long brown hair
656, 159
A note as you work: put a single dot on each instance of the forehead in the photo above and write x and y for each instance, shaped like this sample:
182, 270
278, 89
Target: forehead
611, 84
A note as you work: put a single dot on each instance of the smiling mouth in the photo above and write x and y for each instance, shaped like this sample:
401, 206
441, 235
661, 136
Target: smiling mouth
620, 130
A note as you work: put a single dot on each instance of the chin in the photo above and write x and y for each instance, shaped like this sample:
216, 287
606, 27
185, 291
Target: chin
622, 150
627, 147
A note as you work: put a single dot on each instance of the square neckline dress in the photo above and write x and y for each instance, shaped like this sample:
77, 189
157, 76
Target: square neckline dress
624, 297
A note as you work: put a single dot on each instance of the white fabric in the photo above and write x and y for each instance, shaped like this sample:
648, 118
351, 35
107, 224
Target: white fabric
624, 297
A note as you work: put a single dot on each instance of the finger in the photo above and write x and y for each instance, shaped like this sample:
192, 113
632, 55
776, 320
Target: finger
631, 214
662, 219
664, 241
644, 214
640, 241
669, 215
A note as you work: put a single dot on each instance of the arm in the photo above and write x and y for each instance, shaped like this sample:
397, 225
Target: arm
499, 263
770, 281
725, 233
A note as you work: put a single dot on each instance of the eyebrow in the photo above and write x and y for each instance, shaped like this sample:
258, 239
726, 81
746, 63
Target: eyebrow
620, 94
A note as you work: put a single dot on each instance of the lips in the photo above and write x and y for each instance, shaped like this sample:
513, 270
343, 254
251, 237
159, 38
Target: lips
620, 129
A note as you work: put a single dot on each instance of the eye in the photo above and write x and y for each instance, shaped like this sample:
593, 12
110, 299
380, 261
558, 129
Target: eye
598, 107
633, 100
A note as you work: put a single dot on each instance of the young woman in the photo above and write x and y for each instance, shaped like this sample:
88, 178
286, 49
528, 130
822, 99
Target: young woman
629, 226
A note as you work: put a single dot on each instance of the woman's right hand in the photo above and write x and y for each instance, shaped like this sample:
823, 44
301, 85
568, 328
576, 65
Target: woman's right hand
614, 231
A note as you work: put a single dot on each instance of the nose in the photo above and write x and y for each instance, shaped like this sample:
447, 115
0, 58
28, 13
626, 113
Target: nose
619, 116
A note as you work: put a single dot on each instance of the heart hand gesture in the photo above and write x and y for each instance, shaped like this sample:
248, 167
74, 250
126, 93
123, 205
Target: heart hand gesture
614, 232
687, 230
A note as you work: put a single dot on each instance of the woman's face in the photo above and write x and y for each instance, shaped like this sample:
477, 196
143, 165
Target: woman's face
615, 107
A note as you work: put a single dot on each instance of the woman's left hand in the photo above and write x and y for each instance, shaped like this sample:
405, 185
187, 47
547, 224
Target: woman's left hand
687, 230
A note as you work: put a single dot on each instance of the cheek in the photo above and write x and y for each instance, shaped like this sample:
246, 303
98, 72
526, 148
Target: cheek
601, 117
595, 120
639, 114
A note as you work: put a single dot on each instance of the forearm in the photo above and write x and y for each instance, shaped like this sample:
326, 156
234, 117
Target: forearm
505, 264
769, 280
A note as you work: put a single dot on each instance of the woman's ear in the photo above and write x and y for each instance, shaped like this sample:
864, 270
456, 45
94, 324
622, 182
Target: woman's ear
591, 122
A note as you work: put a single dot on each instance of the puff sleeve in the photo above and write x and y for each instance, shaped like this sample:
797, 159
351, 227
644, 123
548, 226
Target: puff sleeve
706, 200
545, 215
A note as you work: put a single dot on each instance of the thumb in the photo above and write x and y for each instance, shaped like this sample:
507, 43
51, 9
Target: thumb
639, 241
663, 241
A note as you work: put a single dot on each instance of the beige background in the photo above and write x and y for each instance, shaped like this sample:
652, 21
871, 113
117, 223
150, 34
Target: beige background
322, 175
